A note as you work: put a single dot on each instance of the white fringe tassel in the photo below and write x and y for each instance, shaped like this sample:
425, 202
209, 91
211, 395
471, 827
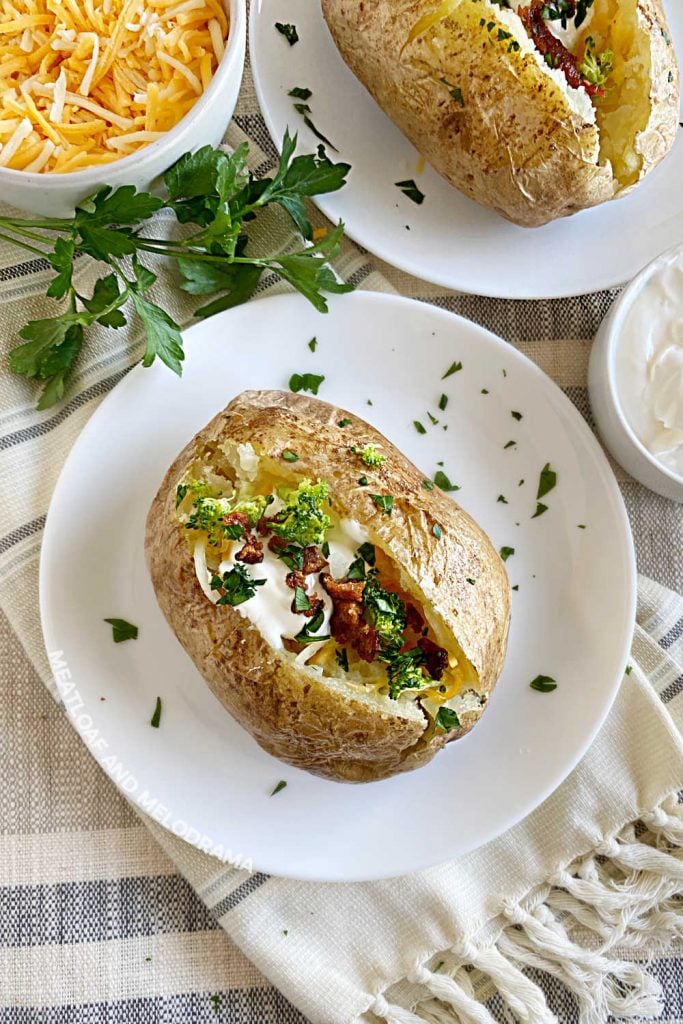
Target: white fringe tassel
623, 894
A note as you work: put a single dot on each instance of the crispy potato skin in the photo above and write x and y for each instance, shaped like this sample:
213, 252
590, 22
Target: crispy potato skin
513, 144
293, 714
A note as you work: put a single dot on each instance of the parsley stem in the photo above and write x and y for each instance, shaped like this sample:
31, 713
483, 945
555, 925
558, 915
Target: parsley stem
55, 224
22, 245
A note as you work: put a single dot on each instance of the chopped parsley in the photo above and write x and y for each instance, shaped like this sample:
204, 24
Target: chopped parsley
363, 481
428, 485
305, 382
540, 509
289, 456
628, 669
305, 110
237, 586
581, 526
410, 189
506, 552
437, 531
325, 548
369, 455
180, 492
122, 630
301, 601
313, 344
419, 427
516, 415
385, 502
453, 368
442, 482
278, 789
547, 481
342, 659
344, 423
454, 90
443, 402
433, 419
447, 719
502, 499
516, 586
356, 570
307, 634
367, 552
510, 444
484, 391
471, 581
293, 556
301, 94
288, 31
156, 717
544, 684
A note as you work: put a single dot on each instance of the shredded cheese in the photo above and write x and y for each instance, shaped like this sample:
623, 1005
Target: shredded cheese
85, 82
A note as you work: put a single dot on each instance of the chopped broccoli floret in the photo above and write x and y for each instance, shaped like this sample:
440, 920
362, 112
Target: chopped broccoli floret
208, 516
387, 613
404, 672
370, 455
302, 520
253, 507
597, 67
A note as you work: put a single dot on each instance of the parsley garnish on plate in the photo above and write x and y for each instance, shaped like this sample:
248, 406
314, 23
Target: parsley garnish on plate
122, 630
516, 415
156, 717
306, 382
288, 31
443, 483
313, 344
510, 444
546, 481
502, 499
419, 427
410, 189
300, 94
305, 110
544, 684
278, 788
540, 509
237, 586
506, 552
443, 402
215, 197
453, 368
385, 502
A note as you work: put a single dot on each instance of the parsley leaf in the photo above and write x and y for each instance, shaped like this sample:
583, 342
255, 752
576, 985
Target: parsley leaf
236, 586
384, 502
540, 509
442, 482
301, 600
307, 634
547, 481
299, 93
544, 684
306, 382
447, 719
506, 552
163, 335
453, 368
122, 630
288, 31
156, 717
410, 189
278, 789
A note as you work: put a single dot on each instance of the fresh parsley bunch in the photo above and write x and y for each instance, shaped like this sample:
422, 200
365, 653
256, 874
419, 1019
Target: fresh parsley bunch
210, 190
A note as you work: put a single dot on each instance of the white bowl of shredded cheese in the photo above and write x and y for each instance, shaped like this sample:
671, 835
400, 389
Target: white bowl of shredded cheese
635, 377
110, 92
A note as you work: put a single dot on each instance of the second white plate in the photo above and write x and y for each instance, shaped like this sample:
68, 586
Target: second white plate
449, 240
384, 358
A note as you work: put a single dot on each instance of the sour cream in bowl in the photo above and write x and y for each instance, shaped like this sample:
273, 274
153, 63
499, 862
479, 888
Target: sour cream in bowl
635, 377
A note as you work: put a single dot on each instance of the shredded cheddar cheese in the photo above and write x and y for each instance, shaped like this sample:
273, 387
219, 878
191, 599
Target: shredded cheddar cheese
85, 82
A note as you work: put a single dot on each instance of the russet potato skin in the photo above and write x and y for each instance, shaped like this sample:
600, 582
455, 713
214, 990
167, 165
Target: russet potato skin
513, 144
291, 712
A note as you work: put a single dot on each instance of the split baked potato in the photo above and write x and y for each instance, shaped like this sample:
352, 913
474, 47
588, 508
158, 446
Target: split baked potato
535, 108
345, 611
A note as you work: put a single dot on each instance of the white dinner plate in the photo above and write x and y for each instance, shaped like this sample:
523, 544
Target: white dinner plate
382, 357
449, 240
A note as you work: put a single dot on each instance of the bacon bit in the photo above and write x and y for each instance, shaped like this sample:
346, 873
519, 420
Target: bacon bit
237, 519
313, 560
295, 579
263, 527
436, 658
347, 626
252, 552
414, 619
343, 590
549, 45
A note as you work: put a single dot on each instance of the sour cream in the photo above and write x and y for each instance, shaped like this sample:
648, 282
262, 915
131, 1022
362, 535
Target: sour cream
270, 608
649, 364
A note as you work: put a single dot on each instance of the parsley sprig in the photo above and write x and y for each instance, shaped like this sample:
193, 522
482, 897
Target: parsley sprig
215, 194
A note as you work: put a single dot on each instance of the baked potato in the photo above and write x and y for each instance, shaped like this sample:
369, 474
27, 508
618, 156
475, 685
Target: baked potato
345, 611
535, 108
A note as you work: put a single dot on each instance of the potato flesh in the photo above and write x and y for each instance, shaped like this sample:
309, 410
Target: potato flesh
625, 110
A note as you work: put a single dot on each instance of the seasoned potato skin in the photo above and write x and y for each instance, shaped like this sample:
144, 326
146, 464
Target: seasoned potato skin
513, 143
292, 713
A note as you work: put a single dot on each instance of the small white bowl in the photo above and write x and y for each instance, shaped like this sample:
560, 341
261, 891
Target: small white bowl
56, 195
608, 411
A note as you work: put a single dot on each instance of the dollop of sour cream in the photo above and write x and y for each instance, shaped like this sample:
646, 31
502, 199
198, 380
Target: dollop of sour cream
270, 609
649, 363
